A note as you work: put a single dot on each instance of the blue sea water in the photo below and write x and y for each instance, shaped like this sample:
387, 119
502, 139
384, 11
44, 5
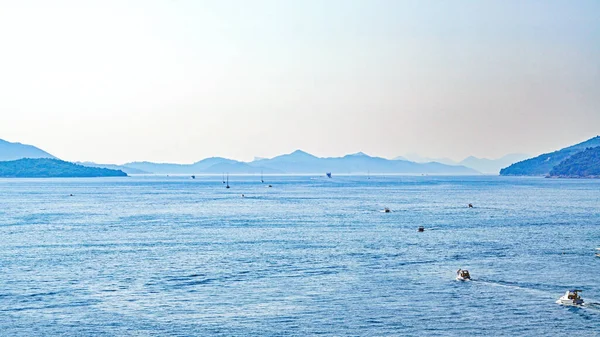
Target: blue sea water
162, 256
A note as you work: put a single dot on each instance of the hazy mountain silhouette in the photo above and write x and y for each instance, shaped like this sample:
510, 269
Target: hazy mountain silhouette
483, 165
419, 159
295, 162
492, 166
543, 164
126, 169
303, 163
214, 165
14, 151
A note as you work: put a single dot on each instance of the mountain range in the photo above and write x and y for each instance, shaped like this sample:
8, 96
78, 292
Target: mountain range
292, 163
300, 162
543, 164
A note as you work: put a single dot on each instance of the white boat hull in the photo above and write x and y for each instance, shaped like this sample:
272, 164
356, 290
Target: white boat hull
566, 301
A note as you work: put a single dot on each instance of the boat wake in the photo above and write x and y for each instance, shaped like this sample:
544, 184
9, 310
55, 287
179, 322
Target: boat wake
588, 304
592, 305
510, 285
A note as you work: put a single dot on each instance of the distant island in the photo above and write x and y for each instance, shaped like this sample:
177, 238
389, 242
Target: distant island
567, 162
50, 168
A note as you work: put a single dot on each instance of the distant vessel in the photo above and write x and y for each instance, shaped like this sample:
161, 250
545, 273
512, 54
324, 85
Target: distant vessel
227, 186
223, 177
328, 174
261, 177
193, 177
571, 297
470, 205
463, 275
421, 229
598, 254
368, 174
386, 210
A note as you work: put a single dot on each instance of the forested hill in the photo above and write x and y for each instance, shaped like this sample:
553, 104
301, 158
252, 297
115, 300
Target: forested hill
585, 164
543, 164
47, 167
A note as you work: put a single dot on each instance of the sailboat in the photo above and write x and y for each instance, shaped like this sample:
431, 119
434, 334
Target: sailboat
261, 177
368, 174
227, 186
223, 177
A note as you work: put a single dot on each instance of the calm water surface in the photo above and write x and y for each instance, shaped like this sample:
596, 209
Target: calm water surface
175, 256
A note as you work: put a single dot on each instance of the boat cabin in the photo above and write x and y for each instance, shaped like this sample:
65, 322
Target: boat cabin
573, 294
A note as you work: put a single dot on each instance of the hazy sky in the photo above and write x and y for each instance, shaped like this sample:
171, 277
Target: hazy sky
177, 81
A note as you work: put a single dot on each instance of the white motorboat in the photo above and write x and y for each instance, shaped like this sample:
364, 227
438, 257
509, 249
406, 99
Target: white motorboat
598, 253
463, 275
571, 297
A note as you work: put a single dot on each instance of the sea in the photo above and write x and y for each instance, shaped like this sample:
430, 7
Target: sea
310, 255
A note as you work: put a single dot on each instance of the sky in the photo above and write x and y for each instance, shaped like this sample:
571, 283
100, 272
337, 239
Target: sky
177, 80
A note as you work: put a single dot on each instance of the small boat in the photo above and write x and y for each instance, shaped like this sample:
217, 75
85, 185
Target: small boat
227, 186
421, 229
598, 253
261, 177
571, 297
223, 177
470, 205
463, 275
193, 177
270, 185
328, 174
386, 210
